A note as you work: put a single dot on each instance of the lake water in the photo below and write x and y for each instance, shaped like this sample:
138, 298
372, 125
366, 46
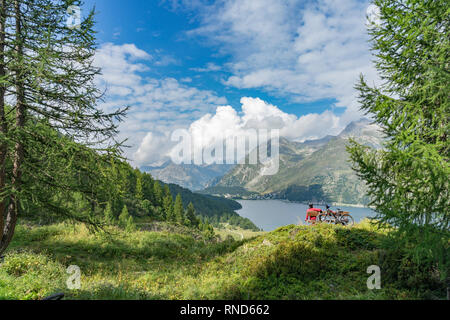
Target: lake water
272, 214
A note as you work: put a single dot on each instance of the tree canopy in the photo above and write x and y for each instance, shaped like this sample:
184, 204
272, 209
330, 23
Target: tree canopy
409, 179
53, 136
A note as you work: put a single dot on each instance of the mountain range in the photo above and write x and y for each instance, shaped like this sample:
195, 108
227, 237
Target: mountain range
189, 176
317, 171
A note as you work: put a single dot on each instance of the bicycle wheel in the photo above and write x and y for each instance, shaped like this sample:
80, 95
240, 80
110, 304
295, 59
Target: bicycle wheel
321, 217
326, 218
347, 220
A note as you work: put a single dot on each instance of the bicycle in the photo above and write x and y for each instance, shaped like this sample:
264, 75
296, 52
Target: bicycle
339, 217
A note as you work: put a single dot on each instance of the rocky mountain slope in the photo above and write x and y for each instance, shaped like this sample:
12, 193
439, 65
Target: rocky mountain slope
310, 171
192, 177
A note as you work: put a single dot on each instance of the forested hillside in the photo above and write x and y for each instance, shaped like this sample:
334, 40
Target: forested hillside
139, 195
215, 209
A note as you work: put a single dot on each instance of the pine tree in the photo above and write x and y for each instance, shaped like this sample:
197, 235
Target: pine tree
147, 207
166, 191
179, 210
3, 122
408, 180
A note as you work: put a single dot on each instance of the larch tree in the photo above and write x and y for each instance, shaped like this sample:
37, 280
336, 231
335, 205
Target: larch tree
179, 210
191, 215
408, 180
168, 208
53, 136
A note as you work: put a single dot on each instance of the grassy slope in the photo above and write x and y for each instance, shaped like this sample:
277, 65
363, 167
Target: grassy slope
237, 233
293, 262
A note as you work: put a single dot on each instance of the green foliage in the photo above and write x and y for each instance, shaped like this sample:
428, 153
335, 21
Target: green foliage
130, 226
46, 159
178, 210
168, 208
109, 216
293, 262
124, 217
207, 231
409, 179
158, 193
191, 215
139, 189
205, 205
146, 206
27, 275
216, 209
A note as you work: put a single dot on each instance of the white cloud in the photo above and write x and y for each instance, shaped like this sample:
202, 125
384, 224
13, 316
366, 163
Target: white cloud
227, 122
166, 60
303, 50
151, 148
210, 67
157, 105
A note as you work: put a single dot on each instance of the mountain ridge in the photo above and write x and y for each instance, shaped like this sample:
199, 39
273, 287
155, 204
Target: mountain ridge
317, 170
190, 176
312, 170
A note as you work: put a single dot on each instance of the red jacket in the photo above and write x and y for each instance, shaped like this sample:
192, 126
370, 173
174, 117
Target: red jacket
314, 211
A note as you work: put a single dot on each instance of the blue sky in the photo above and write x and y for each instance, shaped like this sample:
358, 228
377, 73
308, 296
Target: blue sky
174, 62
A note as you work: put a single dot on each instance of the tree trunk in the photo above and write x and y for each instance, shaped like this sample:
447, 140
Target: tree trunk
3, 124
11, 215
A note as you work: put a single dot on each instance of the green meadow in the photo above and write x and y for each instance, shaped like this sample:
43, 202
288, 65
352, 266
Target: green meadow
162, 261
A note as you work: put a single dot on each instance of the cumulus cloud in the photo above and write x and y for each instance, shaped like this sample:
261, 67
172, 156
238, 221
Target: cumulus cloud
157, 104
152, 146
300, 50
226, 122
303, 50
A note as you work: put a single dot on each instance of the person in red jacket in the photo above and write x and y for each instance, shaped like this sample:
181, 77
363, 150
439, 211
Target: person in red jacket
312, 213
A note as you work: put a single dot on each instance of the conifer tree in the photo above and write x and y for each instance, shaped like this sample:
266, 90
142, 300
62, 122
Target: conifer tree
4, 6
191, 215
168, 208
147, 187
130, 225
166, 191
408, 180
109, 215
139, 189
124, 216
179, 210
46, 69
158, 193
